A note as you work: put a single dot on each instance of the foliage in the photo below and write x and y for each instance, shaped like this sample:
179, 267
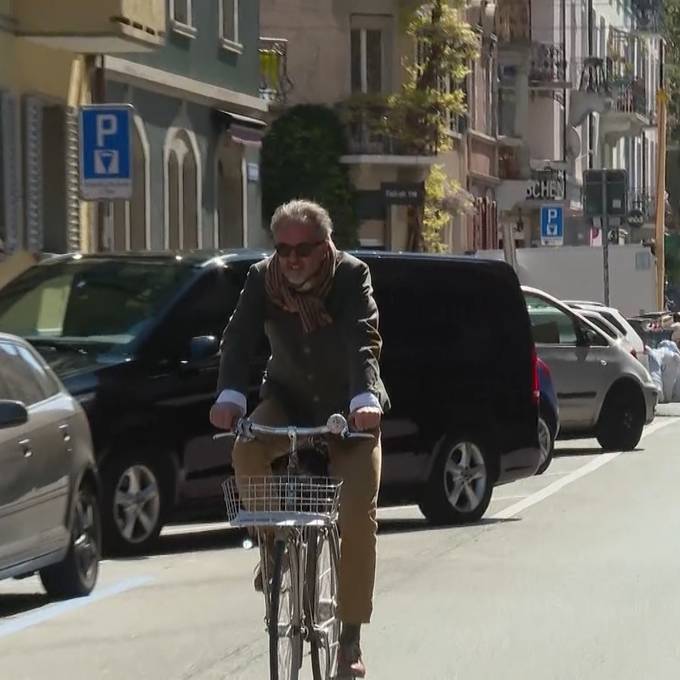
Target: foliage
446, 45
301, 159
672, 66
443, 200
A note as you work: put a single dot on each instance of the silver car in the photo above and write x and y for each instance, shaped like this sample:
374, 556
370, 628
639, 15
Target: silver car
602, 389
49, 519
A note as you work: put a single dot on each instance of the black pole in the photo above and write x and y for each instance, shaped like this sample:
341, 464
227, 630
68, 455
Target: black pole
591, 126
564, 92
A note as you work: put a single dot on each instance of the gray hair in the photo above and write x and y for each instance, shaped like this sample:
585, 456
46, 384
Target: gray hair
306, 212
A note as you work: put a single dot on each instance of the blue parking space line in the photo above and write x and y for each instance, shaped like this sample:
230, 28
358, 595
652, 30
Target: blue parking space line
51, 611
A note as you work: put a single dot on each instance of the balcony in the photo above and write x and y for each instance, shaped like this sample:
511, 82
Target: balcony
548, 68
371, 133
86, 26
513, 22
621, 100
649, 16
275, 85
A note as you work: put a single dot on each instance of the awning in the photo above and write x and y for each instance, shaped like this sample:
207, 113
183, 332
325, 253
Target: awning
243, 129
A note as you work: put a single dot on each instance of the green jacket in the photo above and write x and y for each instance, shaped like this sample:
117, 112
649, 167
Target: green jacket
311, 375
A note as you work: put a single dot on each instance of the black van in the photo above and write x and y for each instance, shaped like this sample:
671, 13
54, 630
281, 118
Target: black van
135, 338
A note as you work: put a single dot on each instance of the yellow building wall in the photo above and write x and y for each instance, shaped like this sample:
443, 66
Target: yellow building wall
41, 70
7, 43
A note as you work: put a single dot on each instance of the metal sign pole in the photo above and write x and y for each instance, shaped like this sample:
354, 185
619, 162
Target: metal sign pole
605, 239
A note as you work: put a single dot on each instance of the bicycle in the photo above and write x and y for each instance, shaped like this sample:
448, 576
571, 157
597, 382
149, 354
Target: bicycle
295, 518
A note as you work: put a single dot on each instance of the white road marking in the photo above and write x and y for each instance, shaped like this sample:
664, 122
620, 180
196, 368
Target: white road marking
181, 529
584, 470
51, 611
507, 498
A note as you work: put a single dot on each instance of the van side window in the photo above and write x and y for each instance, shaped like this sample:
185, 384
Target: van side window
549, 324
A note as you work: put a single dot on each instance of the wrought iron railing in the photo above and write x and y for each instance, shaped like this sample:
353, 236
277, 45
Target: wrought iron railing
274, 81
548, 64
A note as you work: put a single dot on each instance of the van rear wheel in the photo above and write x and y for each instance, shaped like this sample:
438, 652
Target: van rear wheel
460, 485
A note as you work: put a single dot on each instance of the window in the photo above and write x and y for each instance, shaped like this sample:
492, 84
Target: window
550, 325
229, 25
367, 60
183, 194
18, 379
613, 321
100, 304
181, 18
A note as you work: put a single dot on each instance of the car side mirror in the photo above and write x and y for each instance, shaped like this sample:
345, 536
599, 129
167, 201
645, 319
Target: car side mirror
12, 414
203, 347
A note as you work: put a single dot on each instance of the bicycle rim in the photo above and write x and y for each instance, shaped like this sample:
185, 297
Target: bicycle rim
285, 642
322, 588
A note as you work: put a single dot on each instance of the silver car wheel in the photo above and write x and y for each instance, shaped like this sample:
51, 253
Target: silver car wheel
465, 476
544, 440
137, 503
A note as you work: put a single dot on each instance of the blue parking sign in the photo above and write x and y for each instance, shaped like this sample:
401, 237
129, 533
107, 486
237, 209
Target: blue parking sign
552, 225
105, 151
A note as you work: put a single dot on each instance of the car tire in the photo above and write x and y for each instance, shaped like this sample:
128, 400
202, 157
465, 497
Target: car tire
136, 501
460, 485
622, 419
546, 441
76, 575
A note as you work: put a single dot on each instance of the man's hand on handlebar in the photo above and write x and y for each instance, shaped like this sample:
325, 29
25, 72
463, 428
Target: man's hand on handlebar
225, 416
366, 419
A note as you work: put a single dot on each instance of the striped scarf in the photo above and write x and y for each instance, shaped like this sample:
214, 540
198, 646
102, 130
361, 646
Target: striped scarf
308, 300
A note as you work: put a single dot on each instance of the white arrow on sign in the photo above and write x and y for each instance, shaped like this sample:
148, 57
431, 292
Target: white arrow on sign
551, 229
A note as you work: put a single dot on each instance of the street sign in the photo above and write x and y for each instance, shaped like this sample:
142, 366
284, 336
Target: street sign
552, 225
105, 151
616, 182
403, 193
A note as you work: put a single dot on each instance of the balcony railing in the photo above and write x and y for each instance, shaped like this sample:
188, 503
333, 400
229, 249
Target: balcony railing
627, 93
274, 81
369, 132
513, 21
649, 15
631, 97
548, 66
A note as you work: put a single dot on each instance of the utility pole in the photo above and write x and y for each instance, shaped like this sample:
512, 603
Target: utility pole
662, 104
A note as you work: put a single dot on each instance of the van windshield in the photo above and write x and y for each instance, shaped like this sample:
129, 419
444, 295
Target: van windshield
99, 304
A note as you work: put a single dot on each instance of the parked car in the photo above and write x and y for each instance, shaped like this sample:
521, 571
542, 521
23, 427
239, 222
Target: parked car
548, 418
135, 339
602, 389
49, 517
614, 317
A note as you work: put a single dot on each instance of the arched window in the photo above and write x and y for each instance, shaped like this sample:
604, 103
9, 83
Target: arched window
183, 194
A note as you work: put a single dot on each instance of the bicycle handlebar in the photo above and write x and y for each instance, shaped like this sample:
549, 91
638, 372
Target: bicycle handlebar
337, 426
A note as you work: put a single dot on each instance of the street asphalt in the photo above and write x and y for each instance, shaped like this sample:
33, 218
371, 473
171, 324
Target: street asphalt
571, 576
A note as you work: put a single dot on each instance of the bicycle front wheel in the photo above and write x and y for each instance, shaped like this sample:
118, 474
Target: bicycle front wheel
321, 581
285, 630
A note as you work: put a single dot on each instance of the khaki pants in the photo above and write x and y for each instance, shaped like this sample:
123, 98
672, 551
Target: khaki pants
357, 463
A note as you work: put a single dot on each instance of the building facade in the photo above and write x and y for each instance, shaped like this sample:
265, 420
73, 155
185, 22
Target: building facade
335, 50
577, 90
199, 120
43, 79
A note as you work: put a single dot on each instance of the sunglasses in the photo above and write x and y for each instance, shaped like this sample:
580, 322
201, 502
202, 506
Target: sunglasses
301, 249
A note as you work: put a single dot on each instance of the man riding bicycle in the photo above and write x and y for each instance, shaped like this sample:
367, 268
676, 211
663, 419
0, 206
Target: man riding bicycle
316, 306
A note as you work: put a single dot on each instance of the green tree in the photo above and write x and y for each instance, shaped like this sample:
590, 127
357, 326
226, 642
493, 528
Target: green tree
671, 10
301, 159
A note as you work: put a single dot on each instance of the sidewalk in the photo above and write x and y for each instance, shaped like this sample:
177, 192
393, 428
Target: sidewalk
668, 410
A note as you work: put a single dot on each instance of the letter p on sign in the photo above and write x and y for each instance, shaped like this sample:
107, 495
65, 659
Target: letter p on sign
107, 125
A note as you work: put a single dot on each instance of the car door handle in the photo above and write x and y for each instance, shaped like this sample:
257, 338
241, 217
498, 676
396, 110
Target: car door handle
25, 444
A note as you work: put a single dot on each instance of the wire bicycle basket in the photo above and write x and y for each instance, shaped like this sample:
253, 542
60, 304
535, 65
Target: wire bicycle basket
282, 500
